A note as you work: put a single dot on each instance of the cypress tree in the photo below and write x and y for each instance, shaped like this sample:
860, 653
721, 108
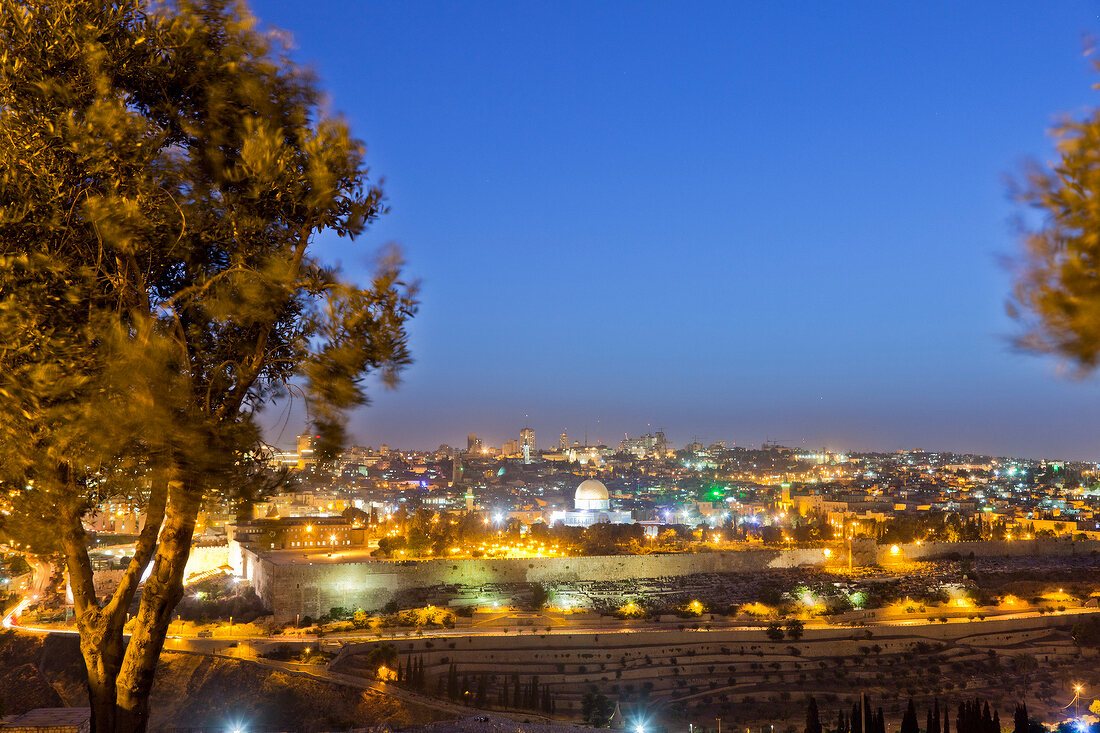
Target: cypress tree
987, 720
840, 721
482, 688
909, 723
857, 719
813, 719
935, 727
1019, 719
946, 720
452, 682
996, 722
929, 726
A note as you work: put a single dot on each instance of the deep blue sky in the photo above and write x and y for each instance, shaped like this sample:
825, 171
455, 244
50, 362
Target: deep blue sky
734, 221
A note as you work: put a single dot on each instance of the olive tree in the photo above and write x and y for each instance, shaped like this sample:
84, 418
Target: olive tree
1056, 297
164, 172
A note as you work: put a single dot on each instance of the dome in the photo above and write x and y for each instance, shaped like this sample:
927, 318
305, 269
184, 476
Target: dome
591, 490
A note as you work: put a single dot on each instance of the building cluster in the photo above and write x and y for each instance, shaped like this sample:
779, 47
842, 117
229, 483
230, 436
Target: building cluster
773, 493
751, 493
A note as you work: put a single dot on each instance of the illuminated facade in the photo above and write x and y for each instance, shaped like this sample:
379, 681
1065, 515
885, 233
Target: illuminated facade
591, 505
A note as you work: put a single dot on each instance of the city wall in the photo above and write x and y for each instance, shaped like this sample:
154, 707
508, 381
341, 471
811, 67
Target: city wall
293, 587
1044, 546
206, 557
290, 588
202, 558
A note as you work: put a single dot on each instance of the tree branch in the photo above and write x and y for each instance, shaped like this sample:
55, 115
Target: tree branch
74, 542
143, 551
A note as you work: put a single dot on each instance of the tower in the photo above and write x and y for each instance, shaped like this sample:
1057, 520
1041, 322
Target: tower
306, 445
527, 443
563, 441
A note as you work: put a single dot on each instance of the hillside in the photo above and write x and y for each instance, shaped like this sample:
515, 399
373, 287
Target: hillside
198, 692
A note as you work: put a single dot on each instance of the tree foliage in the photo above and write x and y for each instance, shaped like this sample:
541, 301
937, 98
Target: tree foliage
1056, 297
164, 170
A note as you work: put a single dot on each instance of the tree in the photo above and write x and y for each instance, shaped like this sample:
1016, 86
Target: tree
774, 631
813, 718
795, 627
909, 723
383, 655
538, 596
1019, 719
1056, 295
163, 173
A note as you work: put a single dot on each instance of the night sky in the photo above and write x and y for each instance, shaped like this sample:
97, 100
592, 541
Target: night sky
733, 221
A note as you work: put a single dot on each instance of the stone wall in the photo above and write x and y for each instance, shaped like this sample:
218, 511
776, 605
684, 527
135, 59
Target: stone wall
1044, 546
206, 557
312, 588
301, 587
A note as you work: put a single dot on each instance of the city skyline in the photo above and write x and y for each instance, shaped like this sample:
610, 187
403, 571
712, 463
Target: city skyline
734, 222
497, 441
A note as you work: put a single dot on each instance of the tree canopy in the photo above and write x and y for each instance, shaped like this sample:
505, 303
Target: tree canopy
1056, 297
164, 170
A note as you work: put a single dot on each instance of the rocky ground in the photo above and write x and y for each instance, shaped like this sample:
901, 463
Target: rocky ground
195, 692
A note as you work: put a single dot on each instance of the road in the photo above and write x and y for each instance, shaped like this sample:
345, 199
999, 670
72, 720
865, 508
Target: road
196, 643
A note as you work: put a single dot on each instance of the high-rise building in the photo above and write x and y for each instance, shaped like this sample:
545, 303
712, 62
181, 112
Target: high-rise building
473, 444
527, 438
563, 441
306, 445
643, 446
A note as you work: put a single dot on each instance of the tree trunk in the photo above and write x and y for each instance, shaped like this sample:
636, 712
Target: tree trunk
101, 627
163, 590
102, 652
100, 640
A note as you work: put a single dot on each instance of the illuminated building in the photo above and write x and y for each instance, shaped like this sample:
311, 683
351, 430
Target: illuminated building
306, 444
527, 438
592, 505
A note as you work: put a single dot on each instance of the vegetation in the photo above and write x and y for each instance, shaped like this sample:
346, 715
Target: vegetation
163, 172
1057, 282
